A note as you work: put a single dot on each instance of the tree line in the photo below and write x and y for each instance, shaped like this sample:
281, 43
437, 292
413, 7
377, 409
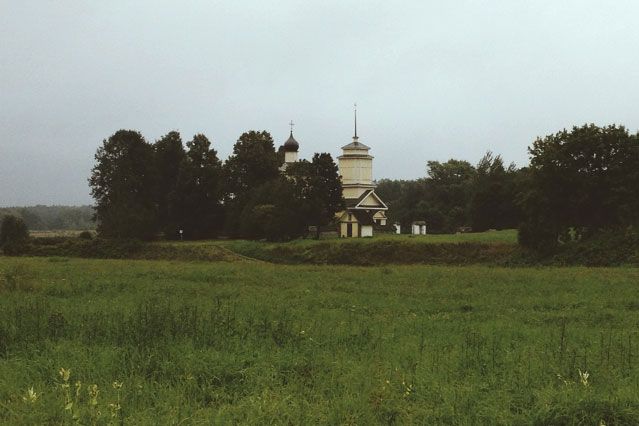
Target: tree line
579, 184
456, 195
45, 218
185, 191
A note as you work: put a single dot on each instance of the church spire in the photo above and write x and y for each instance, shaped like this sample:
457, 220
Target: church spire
355, 112
291, 124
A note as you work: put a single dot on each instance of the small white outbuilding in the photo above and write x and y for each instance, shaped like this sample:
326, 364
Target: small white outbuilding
418, 227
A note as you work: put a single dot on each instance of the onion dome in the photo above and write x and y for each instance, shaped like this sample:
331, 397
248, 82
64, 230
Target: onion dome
291, 144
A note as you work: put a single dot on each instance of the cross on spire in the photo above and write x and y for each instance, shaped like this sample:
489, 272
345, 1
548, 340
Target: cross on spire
291, 124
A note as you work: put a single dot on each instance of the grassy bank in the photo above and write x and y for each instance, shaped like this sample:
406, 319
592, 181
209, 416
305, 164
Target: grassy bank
365, 252
496, 248
490, 247
195, 343
124, 249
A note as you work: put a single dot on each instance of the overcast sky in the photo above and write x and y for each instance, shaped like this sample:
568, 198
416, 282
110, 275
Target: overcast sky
433, 80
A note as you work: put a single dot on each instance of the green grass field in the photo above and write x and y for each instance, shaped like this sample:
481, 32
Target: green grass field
251, 342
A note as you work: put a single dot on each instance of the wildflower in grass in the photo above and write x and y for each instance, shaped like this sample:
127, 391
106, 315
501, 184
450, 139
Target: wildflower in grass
65, 373
408, 390
560, 377
583, 377
31, 396
93, 394
115, 407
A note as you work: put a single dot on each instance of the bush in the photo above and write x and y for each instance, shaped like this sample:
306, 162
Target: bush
604, 248
537, 235
13, 234
85, 235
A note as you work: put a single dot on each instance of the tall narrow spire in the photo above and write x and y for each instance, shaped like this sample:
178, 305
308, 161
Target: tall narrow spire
355, 111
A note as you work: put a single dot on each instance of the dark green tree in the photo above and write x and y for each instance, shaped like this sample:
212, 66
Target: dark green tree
319, 187
406, 201
273, 211
13, 233
492, 202
169, 155
448, 189
195, 205
123, 183
581, 182
253, 162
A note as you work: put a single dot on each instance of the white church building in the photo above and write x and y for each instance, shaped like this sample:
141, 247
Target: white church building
364, 208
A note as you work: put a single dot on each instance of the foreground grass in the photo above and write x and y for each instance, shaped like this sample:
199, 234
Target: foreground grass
197, 343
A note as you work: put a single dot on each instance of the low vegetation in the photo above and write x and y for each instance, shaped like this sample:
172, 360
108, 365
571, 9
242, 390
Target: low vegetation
436, 249
158, 342
496, 248
89, 247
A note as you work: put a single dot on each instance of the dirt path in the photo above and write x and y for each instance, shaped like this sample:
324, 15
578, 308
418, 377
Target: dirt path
238, 256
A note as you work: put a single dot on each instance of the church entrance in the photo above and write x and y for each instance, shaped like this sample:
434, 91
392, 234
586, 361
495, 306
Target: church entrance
349, 230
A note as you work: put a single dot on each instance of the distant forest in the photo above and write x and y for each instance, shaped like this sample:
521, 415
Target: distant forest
456, 195
46, 218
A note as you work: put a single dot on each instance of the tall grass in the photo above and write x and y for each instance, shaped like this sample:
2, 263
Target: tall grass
260, 343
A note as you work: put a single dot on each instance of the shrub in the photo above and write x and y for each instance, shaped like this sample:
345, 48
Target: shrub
13, 234
85, 235
538, 236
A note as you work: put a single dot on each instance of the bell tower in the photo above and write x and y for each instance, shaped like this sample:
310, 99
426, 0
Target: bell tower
356, 167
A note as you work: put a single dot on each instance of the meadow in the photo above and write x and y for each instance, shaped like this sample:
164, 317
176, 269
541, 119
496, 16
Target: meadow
165, 342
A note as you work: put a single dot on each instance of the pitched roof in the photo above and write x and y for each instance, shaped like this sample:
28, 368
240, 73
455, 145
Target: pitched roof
371, 200
353, 202
357, 203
